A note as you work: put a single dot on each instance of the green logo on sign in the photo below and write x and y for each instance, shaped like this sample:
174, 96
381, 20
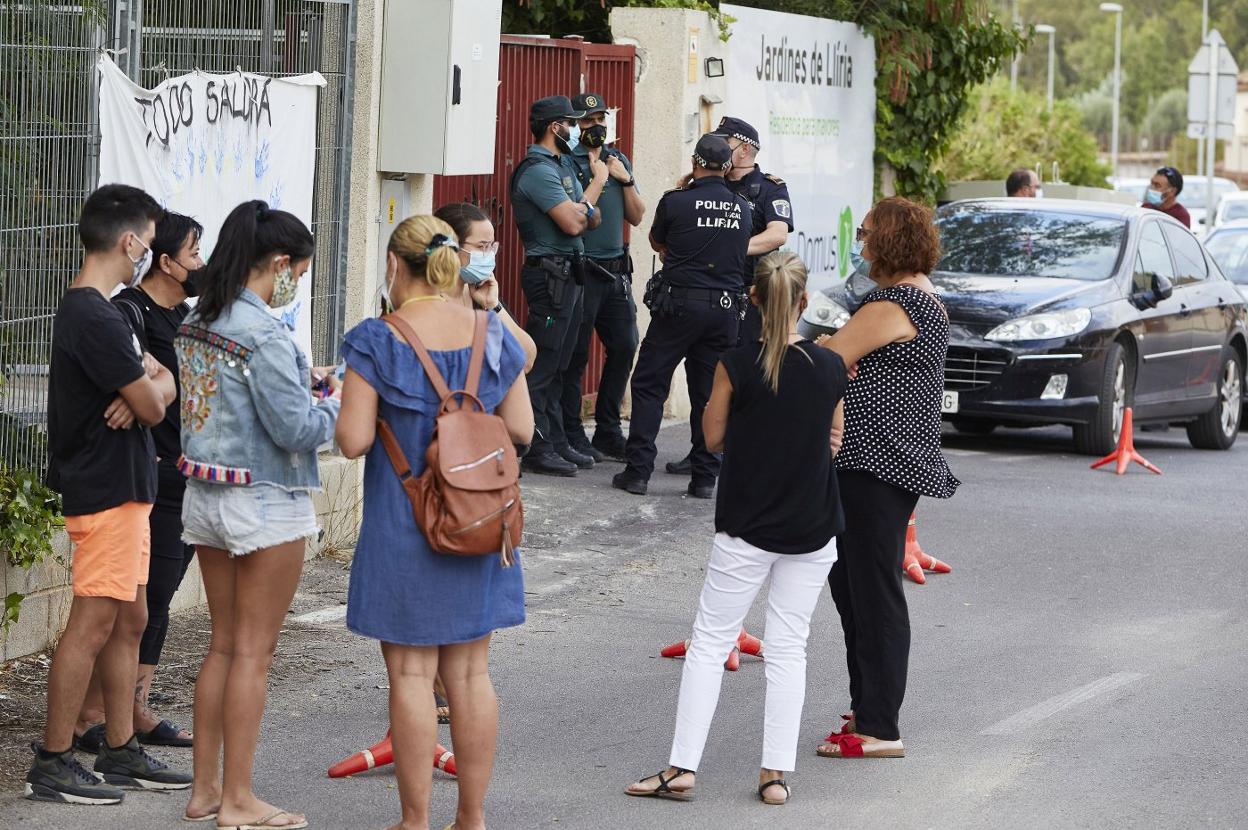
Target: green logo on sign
844, 239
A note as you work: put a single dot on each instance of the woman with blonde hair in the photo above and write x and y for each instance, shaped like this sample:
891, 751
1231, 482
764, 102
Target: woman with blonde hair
898, 338
433, 614
775, 412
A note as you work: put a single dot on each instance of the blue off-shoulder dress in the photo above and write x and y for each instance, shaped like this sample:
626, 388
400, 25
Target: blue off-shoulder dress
401, 591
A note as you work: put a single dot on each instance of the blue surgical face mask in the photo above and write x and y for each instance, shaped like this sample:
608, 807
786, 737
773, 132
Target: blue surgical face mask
480, 267
855, 256
574, 135
1153, 197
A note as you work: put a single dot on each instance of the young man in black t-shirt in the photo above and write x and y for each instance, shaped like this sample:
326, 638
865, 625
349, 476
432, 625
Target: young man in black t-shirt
103, 394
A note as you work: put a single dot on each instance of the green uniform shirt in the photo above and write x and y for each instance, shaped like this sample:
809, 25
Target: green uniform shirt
545, 182
607, 240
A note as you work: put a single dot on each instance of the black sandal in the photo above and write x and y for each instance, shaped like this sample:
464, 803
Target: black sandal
663, 790
777, 781
164, 734
444, 710
91, 740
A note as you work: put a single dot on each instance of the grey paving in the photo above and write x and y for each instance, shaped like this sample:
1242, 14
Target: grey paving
1083, 666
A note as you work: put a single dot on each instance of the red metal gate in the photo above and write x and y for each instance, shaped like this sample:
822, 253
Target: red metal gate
530, 68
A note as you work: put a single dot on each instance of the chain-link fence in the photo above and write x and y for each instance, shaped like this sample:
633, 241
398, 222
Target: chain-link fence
49, 145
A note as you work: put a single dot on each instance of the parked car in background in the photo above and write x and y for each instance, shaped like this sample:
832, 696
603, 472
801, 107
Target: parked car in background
1228, 245
1234, 206
1065, 312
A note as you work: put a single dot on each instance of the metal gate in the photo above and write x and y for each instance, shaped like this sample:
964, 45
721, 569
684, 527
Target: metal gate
530, 68
49, 145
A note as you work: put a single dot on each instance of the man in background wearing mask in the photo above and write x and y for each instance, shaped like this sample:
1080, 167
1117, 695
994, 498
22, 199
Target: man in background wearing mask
1023, 183
552, 212
609, 307
1163, 194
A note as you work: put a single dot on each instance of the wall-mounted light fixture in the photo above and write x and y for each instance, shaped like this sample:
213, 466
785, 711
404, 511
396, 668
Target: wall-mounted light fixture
714, 67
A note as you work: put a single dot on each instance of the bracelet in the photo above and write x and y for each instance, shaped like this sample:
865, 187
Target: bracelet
631, 182
498, 308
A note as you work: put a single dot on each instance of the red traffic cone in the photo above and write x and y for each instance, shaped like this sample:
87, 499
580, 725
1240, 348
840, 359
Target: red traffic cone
1126, 453
444, 760
731, 664
916, 561
749, 644
377, 755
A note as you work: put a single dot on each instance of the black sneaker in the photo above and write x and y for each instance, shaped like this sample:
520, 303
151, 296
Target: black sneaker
629, 483
63, 780
131, 766
611, 446
581, 460
683, 467
585, 448
547, 464
701, 491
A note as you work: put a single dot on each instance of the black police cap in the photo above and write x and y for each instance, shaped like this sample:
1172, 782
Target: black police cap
552, 108
712, 152
738, 129
589, 103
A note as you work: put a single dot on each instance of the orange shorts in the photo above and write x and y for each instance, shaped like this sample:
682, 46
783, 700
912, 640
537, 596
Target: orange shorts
112, 549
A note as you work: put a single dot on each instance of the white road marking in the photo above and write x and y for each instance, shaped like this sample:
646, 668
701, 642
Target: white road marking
1047, 709
332, 614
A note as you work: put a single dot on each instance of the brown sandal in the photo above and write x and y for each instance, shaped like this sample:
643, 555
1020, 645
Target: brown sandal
664, 790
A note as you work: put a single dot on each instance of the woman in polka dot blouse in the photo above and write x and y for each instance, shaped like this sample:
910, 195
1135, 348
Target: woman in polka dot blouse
891, 456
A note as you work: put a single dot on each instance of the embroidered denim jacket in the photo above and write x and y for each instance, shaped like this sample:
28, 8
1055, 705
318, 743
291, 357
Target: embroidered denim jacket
247, 409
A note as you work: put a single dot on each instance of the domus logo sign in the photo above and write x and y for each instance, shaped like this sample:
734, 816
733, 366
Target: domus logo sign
807, 84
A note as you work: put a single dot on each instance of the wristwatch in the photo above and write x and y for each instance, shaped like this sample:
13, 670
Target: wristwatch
589, 210
631, 182
498, 308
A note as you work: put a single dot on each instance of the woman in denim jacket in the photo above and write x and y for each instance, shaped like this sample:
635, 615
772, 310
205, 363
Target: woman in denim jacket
250, 431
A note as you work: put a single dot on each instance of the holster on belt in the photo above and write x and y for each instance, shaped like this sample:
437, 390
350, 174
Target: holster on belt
593, 267
658, 296
558, 272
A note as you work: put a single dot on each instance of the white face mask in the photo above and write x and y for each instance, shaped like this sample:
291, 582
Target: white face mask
1039, 192
387, 286
141, 265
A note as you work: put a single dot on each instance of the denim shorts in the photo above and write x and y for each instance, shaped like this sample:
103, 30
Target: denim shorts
244, 519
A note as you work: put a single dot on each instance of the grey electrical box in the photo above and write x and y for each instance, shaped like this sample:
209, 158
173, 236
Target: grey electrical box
439, 86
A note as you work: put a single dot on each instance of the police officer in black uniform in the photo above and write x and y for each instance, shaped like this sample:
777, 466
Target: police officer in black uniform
702, 232
552, 211
773, 221
609, 306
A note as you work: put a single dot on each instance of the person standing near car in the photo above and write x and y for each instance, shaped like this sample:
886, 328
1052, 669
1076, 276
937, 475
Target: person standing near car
772, 222
891, 456
702, 233
1023, 184
1163, 195
552, 214
609, 306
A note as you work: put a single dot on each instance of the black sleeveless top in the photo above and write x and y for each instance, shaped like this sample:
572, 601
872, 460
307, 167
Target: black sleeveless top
777, 487
892, 408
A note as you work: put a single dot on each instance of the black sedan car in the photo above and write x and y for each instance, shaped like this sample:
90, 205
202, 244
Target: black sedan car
1068, 312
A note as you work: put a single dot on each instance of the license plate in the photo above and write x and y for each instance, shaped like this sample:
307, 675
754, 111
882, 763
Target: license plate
949, 402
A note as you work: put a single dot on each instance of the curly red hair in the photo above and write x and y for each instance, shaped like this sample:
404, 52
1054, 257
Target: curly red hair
903, 238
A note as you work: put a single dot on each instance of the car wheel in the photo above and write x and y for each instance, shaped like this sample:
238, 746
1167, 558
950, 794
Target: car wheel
1117, 393
1218, 428
973, 426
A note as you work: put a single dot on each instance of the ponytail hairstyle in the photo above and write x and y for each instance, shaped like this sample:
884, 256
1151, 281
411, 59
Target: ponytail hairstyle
779, 282
430, 248
251, 234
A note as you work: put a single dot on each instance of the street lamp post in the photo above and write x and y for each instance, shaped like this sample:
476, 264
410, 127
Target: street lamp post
1046, 29
1014, 63
1115, 9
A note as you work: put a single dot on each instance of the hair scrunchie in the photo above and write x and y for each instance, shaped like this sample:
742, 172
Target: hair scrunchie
440, 240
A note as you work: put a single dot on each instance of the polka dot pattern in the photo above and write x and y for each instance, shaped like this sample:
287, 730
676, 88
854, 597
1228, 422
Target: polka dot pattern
892, 408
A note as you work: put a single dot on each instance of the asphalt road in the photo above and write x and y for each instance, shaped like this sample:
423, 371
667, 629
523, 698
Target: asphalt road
1083, 665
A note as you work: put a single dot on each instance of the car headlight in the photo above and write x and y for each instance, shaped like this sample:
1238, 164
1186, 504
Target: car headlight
824, 311
1042, 326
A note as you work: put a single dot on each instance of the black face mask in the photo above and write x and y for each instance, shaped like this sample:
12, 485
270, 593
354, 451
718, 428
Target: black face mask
595, 136
190, 285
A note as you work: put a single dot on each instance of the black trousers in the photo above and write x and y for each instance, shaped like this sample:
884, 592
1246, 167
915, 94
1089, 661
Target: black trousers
867, 589
169, 561
610, 310
553, 322
697, 333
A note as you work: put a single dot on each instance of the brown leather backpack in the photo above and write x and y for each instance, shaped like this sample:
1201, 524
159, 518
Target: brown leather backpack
467, 501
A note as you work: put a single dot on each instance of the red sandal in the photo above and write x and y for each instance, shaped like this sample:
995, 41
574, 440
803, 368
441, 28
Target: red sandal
850, 745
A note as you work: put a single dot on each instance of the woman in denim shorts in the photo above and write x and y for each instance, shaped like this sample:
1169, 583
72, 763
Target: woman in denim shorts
250, 431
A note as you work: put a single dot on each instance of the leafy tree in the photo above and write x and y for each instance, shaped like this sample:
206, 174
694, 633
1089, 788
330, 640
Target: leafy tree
1004, 129
1167, 117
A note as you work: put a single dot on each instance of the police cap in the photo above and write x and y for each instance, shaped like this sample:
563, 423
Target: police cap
738, 129
589, 103
713, 152
552, 108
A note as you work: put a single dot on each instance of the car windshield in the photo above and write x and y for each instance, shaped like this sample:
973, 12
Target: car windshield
988, 240
1238, 209
1230, 250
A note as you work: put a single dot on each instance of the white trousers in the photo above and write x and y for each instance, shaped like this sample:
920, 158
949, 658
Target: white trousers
736, 572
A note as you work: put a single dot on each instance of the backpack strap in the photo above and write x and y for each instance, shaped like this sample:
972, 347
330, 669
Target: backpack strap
413, 340
481, 324
391, 444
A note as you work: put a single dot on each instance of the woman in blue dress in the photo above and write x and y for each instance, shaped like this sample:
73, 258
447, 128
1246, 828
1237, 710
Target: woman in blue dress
433, 613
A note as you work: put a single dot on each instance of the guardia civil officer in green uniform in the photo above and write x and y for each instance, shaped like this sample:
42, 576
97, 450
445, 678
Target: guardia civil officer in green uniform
773, 220
702, 232
552, 212
609, 308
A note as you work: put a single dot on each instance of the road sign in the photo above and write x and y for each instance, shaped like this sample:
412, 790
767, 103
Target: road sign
1198, 89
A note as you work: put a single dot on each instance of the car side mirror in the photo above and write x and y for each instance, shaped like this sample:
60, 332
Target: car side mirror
1162, 289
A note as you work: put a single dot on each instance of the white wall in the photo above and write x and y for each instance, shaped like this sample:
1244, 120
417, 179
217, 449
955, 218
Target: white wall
1236, 160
